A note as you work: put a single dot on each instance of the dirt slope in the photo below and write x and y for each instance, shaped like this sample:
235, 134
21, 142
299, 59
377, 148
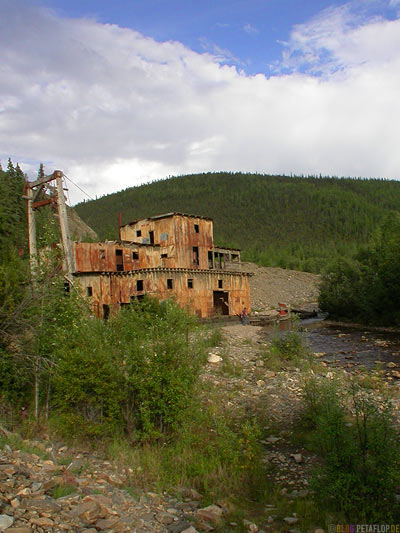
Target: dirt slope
270, 286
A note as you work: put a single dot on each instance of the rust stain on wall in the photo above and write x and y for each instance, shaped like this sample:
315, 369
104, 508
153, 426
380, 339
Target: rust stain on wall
167, 256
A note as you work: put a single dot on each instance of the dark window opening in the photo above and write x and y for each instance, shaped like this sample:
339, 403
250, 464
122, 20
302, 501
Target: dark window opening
102, 254
169, 284
190, 284
135, 255
106, 311
151, 237
210, 260
218, 259
220, 284
235, 258
119, 260
221, 302
164, 256
90, 291
196, 228
139, 285
138, 233
196, 255
67, 288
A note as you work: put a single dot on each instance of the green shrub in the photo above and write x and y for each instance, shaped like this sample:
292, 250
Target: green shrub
59, 491
360, 469
289, 344
209, 452
133, 374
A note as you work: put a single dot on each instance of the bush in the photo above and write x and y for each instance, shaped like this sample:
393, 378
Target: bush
367, 287
134, 374
290, 344
360, 467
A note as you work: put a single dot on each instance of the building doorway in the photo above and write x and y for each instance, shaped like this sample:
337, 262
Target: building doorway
221, 302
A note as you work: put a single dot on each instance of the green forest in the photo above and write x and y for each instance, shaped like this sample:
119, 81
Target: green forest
292, 222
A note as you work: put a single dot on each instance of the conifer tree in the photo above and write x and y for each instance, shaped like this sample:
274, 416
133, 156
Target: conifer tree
40, 171
10, 168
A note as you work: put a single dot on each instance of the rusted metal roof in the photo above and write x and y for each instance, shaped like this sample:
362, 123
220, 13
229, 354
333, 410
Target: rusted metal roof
166, 269
166, 215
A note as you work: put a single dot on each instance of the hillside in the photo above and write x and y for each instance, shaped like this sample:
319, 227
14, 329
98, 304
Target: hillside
290, 222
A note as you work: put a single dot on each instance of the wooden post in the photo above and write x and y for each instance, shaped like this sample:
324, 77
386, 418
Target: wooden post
119, 225
62, 214
31, 232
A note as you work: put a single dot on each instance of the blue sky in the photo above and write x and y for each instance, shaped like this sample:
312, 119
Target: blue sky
251, 34
249, 31
116, 93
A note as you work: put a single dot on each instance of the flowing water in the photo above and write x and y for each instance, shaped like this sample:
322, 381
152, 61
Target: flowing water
346, 346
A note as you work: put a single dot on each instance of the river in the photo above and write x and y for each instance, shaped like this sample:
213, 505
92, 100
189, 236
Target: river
347, 346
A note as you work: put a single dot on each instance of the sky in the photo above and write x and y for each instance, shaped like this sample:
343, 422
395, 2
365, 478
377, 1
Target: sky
116, 93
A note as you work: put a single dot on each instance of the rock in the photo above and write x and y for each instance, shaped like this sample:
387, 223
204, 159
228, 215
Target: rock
212, 513
5, 522
213, 358
42, 522
43, 506
291, 519
19, 530
297, 457
391, 365
319, 530
107, 523
190, 529
260, 383
272, 439
165, 518
396, 374
88, 511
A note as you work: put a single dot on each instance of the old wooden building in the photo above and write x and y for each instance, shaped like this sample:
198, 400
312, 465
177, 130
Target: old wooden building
166, 256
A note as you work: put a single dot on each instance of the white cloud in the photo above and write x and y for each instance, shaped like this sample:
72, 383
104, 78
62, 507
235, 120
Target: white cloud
251, 30
112, 108
340, 38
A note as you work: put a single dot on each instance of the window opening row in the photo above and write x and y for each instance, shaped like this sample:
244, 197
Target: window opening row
170, 285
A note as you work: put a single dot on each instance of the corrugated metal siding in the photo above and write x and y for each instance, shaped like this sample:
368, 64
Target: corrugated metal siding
116, 289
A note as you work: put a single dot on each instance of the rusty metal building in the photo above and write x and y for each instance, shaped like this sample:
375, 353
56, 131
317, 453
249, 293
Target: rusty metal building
166, 256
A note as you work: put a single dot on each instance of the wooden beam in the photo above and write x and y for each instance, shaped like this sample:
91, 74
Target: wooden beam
62, 214
43, 180
35, 205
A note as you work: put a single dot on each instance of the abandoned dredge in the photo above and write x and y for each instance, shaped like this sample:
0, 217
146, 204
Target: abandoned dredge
165, 256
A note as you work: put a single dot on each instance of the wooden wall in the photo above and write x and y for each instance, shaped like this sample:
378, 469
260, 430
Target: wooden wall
176, 235
115, 289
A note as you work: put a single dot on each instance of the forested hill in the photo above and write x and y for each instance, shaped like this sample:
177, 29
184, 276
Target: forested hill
285, 221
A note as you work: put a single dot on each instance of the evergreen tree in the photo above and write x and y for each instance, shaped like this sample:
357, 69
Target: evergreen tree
40, 171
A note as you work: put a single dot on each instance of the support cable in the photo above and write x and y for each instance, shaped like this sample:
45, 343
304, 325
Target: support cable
80, 188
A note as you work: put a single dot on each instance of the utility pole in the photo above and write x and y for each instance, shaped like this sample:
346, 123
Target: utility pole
32, 192
31, 232
64, 228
